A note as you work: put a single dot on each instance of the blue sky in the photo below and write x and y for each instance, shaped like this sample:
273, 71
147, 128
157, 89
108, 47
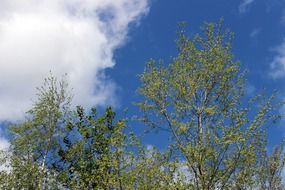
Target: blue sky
259, 28
104, 44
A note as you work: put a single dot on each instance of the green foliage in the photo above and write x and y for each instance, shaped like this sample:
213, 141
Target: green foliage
271, 167
95, 157
198, 99
36, 140
217, 141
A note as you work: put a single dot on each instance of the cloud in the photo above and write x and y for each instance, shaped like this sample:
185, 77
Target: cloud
245, 5
73, 37
254, 32
4, 144
4, 154
278, 63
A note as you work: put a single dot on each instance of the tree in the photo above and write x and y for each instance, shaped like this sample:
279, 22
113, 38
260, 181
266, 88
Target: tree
199, 99
56, 148
154, 169
98, 154
93, 153
271, 167
218, 138
36, 141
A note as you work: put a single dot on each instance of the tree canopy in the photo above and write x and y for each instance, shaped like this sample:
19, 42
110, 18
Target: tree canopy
218, 135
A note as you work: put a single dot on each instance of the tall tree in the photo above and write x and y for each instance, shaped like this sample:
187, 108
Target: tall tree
271, 167
198, 98
36, 141
218, 138
98, 154
93, 152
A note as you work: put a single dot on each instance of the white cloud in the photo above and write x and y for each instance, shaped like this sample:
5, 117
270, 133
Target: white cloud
245, 5
76, 37
4, 144
4, 154
278, 63
254, 32
183, 173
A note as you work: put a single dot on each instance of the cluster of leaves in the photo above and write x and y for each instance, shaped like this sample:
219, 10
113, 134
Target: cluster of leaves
199, 99
57, 148
217, 140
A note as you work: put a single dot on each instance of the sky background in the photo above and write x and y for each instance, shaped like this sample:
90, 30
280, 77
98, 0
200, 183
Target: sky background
103, 46
259, 44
